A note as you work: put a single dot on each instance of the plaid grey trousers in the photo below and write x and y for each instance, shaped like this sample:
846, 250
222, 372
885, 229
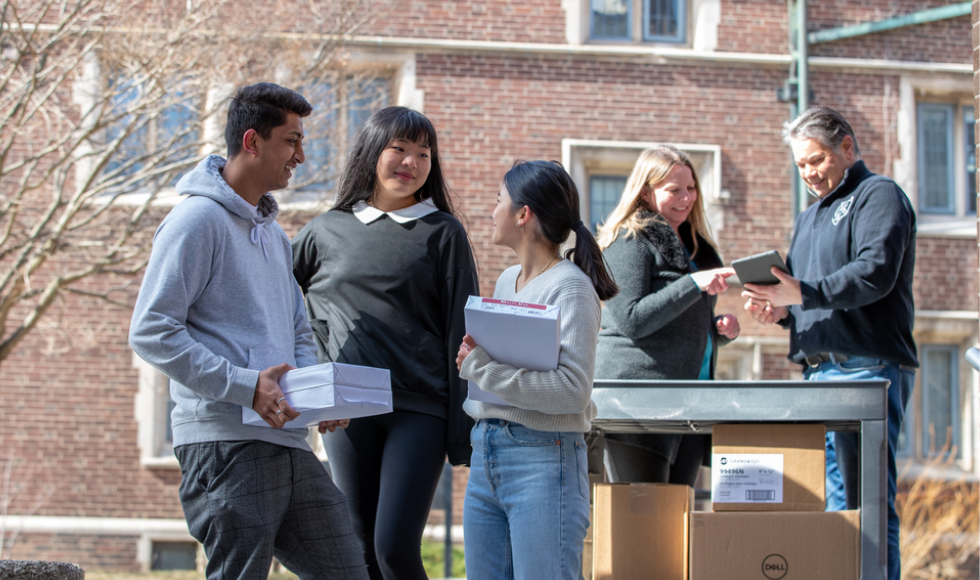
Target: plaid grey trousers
249, 500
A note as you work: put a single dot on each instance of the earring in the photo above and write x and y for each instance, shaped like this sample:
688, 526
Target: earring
519, 224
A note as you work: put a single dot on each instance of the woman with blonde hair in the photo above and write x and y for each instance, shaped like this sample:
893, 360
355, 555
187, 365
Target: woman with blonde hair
662, 324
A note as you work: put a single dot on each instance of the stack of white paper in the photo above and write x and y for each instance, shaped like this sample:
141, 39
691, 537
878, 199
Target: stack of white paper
331, 391
520, 334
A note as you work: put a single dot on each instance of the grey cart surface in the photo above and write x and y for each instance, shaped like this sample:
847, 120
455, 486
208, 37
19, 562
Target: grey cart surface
694, 406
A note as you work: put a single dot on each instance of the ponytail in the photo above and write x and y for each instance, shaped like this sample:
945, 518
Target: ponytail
589, 258
546, 188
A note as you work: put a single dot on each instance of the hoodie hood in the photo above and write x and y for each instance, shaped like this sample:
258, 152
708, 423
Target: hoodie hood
205, 180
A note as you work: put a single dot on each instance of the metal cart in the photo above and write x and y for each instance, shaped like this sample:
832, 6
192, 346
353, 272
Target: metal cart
694, 406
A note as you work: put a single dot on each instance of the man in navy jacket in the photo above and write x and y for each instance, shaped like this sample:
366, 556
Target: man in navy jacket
848, 298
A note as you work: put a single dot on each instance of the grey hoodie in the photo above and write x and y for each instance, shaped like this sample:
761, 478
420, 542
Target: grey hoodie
218, 304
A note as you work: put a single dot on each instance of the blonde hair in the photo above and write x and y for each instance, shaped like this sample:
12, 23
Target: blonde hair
651, 169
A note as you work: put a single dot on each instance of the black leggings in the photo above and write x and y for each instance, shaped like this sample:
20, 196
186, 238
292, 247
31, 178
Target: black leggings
389, 467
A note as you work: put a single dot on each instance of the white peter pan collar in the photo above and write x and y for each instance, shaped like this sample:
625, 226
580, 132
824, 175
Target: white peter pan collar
367, 213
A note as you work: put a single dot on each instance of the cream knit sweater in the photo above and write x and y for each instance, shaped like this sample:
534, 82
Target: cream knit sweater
558, 400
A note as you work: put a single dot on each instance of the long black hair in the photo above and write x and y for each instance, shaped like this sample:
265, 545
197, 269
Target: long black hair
361, 170
546, 188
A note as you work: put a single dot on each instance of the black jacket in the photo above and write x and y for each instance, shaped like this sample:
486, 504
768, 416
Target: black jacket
854, 253
390, 295
657, 326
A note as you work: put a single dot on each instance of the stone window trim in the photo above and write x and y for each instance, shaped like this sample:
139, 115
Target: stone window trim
915, 90
583, 158
702, 18
958, 330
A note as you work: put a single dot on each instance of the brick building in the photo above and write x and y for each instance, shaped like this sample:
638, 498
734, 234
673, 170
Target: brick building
590, 83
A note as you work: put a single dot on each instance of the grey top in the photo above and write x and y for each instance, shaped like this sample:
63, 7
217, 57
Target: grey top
558, 400
217, 305
657, 327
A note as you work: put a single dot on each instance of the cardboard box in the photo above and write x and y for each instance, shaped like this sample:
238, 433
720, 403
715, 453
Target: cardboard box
775, 545
520, 334
587, 551
768, 467
640, 531
331, 391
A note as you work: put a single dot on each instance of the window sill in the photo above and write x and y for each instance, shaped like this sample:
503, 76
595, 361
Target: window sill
910, 469
946, 227
160, 462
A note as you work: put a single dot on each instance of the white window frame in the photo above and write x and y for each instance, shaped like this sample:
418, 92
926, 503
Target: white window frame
938, 89
583, 158
151, 399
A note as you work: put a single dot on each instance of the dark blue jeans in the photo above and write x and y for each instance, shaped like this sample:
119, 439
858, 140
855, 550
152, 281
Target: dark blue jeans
846, 445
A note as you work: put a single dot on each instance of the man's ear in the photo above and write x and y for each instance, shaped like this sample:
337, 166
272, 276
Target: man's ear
249, 142
847, 147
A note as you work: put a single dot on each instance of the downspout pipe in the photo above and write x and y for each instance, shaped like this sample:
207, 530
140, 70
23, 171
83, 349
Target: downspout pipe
802, 88
921, 17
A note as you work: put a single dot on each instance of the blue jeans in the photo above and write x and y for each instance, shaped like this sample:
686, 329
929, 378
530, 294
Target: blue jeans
847, 447
527, 503
836, 500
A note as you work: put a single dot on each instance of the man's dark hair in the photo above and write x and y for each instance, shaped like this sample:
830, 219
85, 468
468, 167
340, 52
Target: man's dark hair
263, 107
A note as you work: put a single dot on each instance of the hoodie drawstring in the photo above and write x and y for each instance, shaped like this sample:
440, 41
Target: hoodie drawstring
261, 237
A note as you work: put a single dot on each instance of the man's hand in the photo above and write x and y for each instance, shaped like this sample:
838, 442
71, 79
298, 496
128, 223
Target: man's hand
713, 281
763, 312
332, 425
785, 293
464, 350
269, 402
727, 325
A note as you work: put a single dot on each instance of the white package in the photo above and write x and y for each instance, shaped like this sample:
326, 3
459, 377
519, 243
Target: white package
520, 334
331, 391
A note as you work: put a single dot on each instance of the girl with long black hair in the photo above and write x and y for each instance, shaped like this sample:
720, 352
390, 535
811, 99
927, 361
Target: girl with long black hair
386, 274
527, 500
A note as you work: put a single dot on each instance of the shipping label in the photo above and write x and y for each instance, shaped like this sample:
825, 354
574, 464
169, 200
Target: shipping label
747, 478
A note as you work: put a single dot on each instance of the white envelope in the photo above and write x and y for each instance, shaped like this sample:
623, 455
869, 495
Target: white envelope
331, 391
520, 334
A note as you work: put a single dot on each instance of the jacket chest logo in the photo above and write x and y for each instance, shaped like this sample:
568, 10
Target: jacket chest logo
842, 210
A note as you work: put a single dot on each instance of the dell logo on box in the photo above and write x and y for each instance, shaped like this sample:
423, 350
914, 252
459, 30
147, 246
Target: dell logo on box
774, 567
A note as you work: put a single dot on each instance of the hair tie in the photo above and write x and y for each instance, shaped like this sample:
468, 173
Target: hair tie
578, 225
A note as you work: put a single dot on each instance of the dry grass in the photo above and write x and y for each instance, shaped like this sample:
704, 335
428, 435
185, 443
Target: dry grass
940, 530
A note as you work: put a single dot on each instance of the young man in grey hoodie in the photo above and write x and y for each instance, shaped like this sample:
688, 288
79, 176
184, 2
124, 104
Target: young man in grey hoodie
220, 313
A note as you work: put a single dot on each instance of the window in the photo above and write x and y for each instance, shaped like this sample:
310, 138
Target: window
969, 146
662, 21
156, 139
331, 129
604, 194
939, 399
946, 159
155, 436
611, 19
936, 177
174, 556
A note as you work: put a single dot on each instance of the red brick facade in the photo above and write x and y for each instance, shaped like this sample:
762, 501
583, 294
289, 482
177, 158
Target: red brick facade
71, 389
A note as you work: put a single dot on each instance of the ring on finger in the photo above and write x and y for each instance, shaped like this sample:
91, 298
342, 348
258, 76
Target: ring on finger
278, 412
280, 399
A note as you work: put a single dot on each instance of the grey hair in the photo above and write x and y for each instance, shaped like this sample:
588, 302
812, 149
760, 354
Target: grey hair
823, 124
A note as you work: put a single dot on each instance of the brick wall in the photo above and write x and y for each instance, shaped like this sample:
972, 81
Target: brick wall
945, 274
541, 21
90, 552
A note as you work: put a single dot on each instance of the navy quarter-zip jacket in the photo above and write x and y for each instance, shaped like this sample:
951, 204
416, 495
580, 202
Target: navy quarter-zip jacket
854, 253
